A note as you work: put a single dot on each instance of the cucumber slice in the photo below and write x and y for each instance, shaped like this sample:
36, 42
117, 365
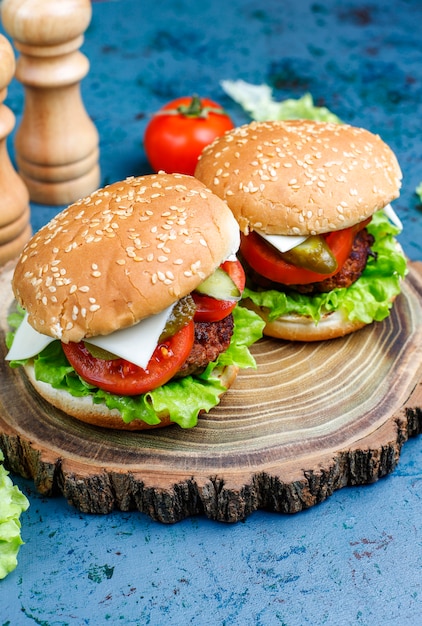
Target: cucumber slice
219, 286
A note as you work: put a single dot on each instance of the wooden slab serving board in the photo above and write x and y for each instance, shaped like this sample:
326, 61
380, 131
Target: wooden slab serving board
311, 419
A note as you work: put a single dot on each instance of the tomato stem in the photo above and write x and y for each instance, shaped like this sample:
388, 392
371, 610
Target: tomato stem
193, 110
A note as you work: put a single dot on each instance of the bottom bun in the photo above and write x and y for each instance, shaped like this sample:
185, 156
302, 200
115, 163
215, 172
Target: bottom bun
301, 328
84, 409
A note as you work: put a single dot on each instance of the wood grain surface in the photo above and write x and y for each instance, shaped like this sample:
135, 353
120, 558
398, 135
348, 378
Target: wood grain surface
312, 418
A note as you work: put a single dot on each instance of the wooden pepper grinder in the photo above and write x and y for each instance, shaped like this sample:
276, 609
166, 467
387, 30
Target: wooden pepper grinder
56, 143
15, 227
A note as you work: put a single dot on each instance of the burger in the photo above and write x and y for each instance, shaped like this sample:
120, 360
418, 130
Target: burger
128, 309
312, 200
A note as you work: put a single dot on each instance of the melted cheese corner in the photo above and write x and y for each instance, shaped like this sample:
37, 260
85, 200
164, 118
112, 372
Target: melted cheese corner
283, 243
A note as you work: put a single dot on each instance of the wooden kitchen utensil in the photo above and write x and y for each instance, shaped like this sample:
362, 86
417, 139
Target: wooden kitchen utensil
56, 143
15, 228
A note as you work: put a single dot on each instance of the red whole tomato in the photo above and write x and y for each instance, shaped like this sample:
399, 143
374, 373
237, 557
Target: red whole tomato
176, 135
210, 309
123, 378
266, 260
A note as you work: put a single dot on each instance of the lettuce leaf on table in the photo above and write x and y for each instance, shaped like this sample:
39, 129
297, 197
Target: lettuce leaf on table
12, 503
258, 101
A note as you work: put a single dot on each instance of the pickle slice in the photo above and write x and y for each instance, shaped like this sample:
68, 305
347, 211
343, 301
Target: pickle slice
220, 286
100, 353
312, 254
182, 313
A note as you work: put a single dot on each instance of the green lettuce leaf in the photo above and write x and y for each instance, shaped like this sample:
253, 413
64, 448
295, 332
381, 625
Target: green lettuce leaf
258, 101
12, 504
368, 299
183, 399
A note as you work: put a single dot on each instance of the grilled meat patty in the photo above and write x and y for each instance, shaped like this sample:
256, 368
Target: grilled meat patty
211, 338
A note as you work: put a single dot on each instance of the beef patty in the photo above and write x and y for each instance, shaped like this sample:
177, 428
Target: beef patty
211, 338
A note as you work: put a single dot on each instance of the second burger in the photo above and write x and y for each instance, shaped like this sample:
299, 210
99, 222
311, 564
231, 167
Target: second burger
312, 200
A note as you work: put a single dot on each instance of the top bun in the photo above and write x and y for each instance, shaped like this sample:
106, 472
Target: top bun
300, 177
122, 254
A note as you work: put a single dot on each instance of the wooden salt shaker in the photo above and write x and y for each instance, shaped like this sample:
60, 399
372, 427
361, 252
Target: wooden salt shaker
56, 143
15, 227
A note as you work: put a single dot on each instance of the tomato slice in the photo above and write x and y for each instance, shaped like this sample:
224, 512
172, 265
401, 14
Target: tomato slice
123, 378
266, 260
210, 309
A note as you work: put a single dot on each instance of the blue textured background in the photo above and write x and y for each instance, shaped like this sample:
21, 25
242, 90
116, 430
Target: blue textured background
355, 559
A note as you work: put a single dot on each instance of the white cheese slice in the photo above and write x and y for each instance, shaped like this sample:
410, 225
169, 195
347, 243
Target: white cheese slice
283, 243
392, 215
135, 344
27, 342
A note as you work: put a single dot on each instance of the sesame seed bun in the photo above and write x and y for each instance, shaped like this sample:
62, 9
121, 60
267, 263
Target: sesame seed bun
300, 177
123, 253
84, 409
